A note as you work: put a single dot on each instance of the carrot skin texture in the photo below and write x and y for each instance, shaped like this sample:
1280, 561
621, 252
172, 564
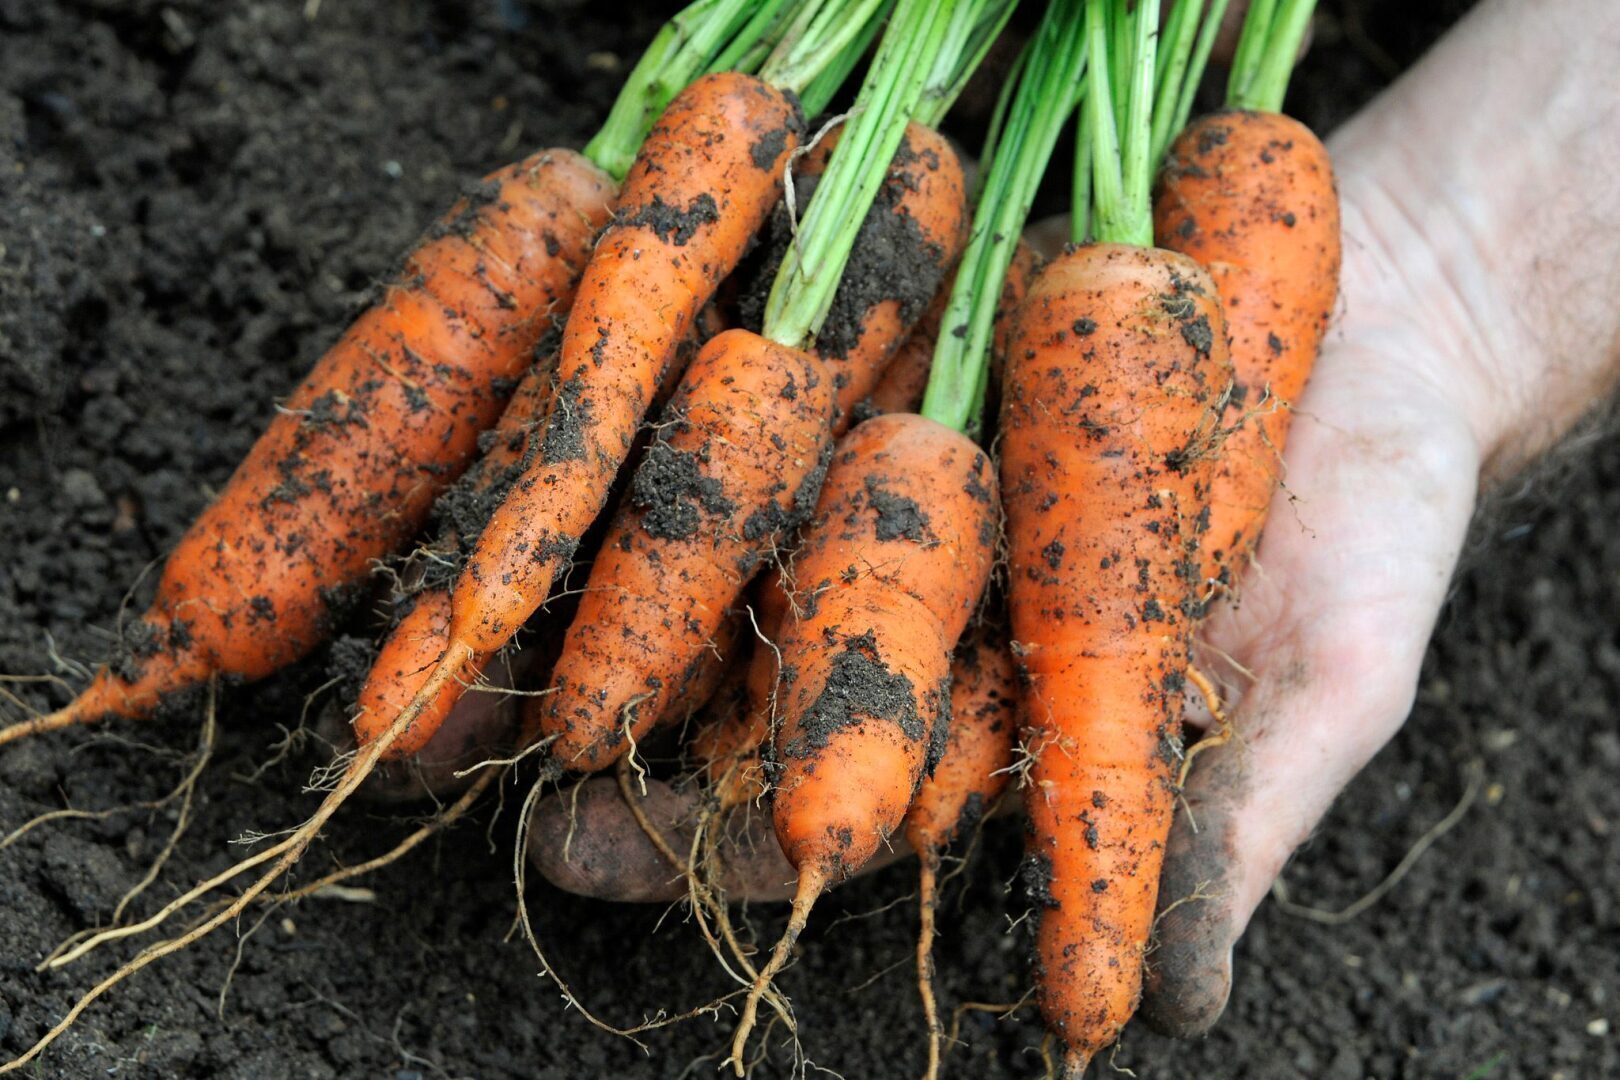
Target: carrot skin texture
972, 772
1251, 197
1114, 381
892, 569
350, 465
412, 648
702, 184
737, 462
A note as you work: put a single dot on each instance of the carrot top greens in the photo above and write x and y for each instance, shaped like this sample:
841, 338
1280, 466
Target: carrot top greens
926, 53
806, 46
1035, 104
1272, 33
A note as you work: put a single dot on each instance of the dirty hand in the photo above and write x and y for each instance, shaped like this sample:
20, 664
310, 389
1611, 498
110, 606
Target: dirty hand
1477, 326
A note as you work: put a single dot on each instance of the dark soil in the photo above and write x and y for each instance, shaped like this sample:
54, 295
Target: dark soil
195, 195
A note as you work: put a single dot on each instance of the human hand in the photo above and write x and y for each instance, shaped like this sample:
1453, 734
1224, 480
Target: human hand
1470, 339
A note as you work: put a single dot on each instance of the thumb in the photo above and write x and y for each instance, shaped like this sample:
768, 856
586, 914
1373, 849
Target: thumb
1334, 621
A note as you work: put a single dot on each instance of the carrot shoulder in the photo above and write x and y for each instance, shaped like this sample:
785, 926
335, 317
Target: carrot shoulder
1251, 197
1114, 378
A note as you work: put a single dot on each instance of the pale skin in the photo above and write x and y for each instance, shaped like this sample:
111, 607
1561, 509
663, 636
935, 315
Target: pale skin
1478, 324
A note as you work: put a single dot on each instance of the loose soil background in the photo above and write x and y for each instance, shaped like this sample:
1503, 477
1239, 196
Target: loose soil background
194, 196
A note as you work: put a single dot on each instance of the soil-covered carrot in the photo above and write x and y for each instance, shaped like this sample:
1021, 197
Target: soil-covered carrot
1249, 194
910, 240
896, 559
902, 546
970, 776
738, 456
1111, 400
350, 465
703, 180
420, 627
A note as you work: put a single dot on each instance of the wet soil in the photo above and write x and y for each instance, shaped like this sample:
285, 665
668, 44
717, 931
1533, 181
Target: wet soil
195, 196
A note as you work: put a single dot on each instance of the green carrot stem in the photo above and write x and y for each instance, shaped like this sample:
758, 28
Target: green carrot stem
1084, 147
1177, 49
913, 48
1109, 215
754, 42
818, 39
1268, 84
1138, 134
681, 51
1049, 78
971, 40
819, 94
1250, 48
1193, 76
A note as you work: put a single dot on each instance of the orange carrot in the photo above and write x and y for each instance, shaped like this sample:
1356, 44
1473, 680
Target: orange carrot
1114, 377
970, 776
890, 572
352, 461
910, 239
418, 638
1250, 196
701, 185
737, 465
738, 459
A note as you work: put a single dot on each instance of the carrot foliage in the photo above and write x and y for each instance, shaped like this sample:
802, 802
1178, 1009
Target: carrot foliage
1272, 33
923, 60
1035, 104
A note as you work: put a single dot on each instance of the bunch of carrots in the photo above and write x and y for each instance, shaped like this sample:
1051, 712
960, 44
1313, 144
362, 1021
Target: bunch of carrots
692, 425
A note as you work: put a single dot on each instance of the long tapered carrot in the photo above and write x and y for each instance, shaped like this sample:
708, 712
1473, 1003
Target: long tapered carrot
902, 547
350, 465
1109, 427
702, 184
972, 772
413, 645
1102, 495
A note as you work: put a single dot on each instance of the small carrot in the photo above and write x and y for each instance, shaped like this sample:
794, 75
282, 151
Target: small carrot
900, 553
1109, 416
738, 456
970, 776
351, 463
1249, 193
